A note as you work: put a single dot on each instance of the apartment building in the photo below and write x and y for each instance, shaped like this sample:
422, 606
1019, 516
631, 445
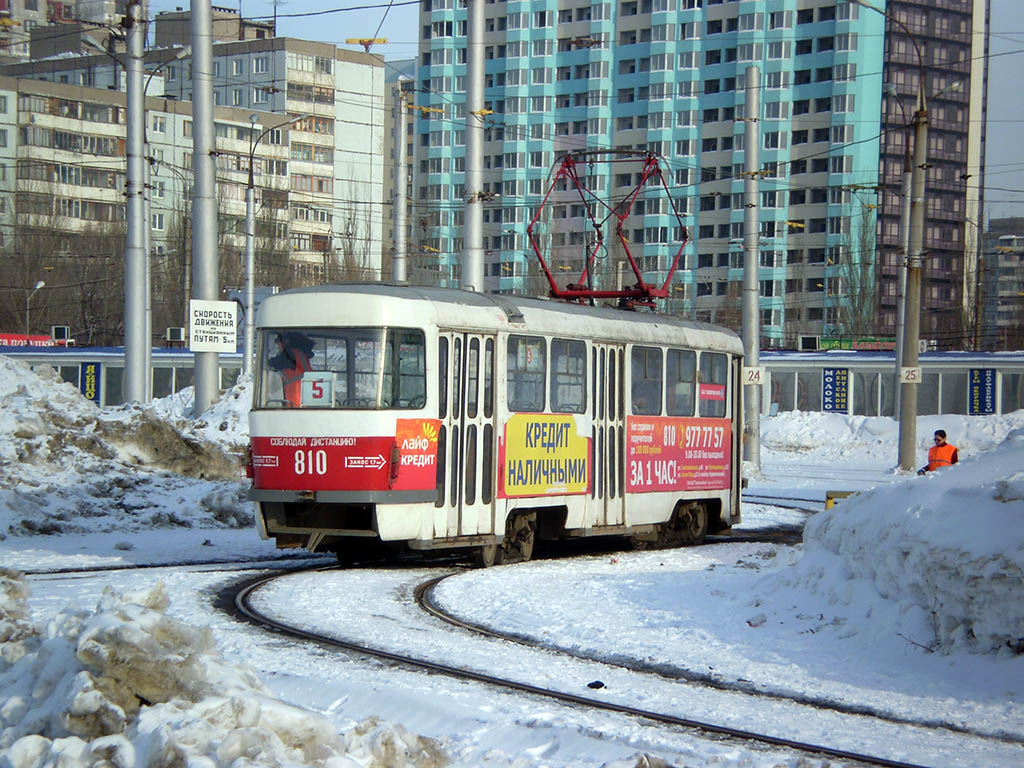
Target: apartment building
951, 37
1001, 302
323, 106
668, 76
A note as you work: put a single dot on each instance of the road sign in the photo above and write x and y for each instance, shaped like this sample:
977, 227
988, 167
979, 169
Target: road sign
212, 326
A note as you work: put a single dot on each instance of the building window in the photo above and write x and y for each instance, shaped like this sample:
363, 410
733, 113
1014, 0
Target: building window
260, 65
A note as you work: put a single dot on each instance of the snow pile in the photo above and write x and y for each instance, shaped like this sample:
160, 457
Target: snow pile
68, 466
945, 552
835, 436
226, 423
128, 685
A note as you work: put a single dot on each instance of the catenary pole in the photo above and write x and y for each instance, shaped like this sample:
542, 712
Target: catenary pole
135, 214
751, 236
472, 240
400, 256
204, 201
910, 374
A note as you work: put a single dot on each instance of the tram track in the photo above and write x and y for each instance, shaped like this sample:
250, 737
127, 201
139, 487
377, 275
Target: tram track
243, 606
423, 597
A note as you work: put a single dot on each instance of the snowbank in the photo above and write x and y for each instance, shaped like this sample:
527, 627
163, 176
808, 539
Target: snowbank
68, 466
944, 552
836, 437
128, 685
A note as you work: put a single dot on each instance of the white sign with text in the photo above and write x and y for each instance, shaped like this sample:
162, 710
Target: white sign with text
212, 326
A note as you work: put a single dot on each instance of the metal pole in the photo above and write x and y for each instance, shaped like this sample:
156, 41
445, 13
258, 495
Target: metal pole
400, 256
135, 213
751, 236
472, 241
205, 284
901, 282
910, 374
28, 301
148, 250
250, 262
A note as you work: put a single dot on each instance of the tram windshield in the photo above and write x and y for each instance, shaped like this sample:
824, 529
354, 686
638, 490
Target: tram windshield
346, 368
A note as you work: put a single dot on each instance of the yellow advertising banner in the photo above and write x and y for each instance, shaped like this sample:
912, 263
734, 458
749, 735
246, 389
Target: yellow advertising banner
544, 454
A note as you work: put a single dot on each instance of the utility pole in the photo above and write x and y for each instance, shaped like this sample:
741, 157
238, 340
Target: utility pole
910, 372
205, 281
472, 235
400, 256
751, 293
250, 255
135, 301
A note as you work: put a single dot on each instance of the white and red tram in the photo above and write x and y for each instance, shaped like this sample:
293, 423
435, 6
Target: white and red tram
440, 418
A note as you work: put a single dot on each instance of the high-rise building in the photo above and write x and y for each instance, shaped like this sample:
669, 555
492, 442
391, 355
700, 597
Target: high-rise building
947, 44
668, 76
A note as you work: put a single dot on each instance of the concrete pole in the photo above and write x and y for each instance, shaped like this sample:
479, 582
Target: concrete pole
205, 281
472, 235
135, 214
910, 374
400, 256
751, 288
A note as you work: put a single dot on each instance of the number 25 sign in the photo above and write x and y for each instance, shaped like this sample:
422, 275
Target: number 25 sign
911, 375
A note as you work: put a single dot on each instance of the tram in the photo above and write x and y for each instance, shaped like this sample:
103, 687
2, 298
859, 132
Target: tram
433, 418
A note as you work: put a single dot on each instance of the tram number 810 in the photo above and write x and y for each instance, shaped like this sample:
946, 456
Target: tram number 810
311, 462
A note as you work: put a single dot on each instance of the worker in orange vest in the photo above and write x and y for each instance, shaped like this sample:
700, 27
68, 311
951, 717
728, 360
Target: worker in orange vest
291, 361
942, 454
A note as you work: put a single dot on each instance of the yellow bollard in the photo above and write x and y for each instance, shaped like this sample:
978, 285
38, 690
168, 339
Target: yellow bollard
832, 496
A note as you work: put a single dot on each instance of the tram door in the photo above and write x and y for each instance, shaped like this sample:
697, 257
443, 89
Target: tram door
465, 500
607, 502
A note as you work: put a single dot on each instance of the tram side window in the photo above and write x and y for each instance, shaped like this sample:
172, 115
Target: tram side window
568, 376
681, 376
405, 379
526, 368
714, 380
645, 391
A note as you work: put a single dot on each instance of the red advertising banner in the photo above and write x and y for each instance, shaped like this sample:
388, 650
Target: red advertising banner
678, 454
348, 463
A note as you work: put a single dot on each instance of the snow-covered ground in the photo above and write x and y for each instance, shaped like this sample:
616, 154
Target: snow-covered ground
905, 599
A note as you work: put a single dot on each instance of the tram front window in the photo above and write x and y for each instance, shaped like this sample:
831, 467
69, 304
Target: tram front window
346, 368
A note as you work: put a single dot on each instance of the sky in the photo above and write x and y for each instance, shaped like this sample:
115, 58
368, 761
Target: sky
903, 601
399, 25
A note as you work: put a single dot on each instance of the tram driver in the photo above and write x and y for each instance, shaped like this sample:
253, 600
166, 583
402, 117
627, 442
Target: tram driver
291, 361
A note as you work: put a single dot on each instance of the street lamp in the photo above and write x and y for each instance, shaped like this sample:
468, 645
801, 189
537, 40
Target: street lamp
28, 299
250, 235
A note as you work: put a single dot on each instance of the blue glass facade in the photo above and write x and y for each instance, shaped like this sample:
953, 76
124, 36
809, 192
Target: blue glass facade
667, 76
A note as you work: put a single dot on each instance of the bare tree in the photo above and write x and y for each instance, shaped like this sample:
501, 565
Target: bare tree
855, 276
82, 264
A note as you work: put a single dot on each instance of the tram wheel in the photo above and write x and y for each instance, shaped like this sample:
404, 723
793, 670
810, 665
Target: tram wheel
488, 555
689, 525
520, 536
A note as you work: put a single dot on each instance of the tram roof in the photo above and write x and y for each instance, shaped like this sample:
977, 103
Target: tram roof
455, 308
